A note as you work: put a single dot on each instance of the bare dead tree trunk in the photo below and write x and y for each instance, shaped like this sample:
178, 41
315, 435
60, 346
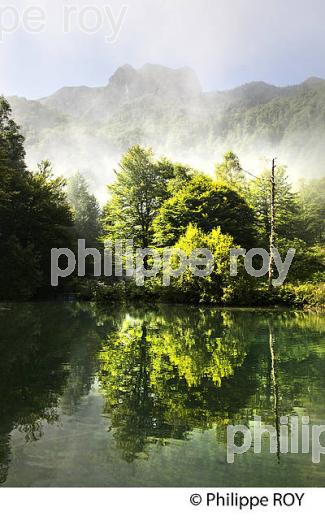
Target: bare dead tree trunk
272, 232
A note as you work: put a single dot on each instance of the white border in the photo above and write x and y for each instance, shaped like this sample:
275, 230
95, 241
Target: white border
146, 503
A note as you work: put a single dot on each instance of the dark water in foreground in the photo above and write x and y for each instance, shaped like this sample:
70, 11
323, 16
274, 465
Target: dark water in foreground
142, 397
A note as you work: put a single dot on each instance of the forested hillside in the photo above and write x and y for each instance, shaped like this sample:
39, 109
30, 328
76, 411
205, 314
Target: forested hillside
89, 128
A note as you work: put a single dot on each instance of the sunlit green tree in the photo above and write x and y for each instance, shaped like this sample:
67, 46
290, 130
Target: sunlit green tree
208, 205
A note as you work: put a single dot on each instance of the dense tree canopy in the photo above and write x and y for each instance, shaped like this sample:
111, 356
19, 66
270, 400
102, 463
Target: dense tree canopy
286, 204
86, 210
208, 205
138, 192
34, 215
218, 287
312, 203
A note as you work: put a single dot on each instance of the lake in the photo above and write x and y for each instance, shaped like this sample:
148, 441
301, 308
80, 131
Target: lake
142, 396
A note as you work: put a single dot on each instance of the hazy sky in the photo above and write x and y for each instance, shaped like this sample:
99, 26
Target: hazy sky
227, 42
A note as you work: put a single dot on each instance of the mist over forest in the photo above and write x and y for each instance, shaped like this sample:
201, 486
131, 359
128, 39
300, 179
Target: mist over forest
87, 129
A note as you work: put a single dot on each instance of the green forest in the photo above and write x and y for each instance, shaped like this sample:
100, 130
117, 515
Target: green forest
157, 203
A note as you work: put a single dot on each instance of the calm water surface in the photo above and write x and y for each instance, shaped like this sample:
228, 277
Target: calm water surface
138, 396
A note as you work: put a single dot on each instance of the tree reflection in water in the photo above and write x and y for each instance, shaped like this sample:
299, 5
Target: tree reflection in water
48, 357
163, 371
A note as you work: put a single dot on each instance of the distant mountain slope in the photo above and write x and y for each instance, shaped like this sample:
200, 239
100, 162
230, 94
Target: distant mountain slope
89, 128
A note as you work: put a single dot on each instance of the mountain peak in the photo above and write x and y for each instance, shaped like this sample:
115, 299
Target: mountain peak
156, 80
123, 73
313, 80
